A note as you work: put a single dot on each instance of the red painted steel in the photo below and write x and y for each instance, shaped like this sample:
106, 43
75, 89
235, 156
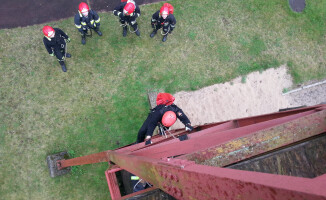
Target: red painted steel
209, 138
187, 180
261, 141
89, 159
184, 179
113, 183
138, 193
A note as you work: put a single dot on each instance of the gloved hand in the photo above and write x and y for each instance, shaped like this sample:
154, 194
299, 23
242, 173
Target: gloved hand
148, 140
52, 54
189, 128
68, 40
119, 14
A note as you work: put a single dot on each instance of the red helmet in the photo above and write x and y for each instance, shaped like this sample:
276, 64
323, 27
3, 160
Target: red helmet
83, 8
48, 31
169, 118
164, 11
129, 8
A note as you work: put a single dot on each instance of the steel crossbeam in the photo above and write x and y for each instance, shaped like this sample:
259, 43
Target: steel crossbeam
180, 167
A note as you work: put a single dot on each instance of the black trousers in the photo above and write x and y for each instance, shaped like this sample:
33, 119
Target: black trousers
60, 53
144, 128
83, 29
165, 28
134, 26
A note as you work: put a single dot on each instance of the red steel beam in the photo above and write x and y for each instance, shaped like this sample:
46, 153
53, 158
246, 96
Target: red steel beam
219, 126
261, 141
89, 159
187, 180
203, 140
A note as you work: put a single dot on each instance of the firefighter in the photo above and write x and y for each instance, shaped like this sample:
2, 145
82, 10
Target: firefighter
127, 13
138, 184
55, 43
85, 20
163, 18
165, 112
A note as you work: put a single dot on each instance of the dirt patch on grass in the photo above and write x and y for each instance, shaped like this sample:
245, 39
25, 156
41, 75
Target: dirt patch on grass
256, 94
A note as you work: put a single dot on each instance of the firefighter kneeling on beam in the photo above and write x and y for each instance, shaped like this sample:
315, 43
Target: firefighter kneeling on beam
55, 43
85, 20
163, 18
127, 13
165, 112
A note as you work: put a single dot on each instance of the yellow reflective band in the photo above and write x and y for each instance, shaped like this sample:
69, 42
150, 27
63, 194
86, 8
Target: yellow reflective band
97, 21
83, 23
134, 178
92, 22
78, 26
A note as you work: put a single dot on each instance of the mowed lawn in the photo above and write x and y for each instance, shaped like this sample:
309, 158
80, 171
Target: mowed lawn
101, 102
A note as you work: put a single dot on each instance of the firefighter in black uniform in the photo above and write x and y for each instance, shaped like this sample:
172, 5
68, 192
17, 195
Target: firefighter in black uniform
87, 19
163, 18
55, 43
127, 13
162, 113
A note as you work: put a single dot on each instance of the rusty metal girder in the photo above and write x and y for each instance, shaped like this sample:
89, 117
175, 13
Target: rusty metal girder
261, 141
200, 143
89, 159
187, 180
219, 145
202, 140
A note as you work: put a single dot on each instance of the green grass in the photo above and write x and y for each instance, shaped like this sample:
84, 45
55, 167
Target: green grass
101, 102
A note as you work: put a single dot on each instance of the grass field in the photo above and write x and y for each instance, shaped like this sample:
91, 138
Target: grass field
100, 103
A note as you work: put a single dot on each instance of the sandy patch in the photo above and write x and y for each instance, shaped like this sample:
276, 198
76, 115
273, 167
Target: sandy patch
260, 94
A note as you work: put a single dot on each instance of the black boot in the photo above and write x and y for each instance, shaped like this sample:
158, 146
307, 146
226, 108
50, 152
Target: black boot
68, 55
98, 32
137, 32
165, 37
63, 66
153, 33
83, 41
124, 31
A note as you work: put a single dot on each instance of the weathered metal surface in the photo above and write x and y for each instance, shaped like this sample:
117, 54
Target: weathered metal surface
307, 159
223, 144
187, 180
113, 183
210, 144
89, 159
247, 146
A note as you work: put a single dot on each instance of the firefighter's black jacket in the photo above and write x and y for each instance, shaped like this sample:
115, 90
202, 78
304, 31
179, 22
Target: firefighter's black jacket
118, 11
54, 45
155, 116
87, 22
168, 21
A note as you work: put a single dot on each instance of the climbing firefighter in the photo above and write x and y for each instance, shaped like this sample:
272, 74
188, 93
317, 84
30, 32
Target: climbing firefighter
166, 113
127, 13
85, 20
163, 18
55, 43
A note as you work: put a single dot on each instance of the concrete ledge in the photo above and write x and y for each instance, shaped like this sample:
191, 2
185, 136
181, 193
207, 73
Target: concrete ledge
52, 164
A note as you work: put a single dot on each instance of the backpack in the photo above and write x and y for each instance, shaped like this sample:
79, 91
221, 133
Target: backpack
164, 99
